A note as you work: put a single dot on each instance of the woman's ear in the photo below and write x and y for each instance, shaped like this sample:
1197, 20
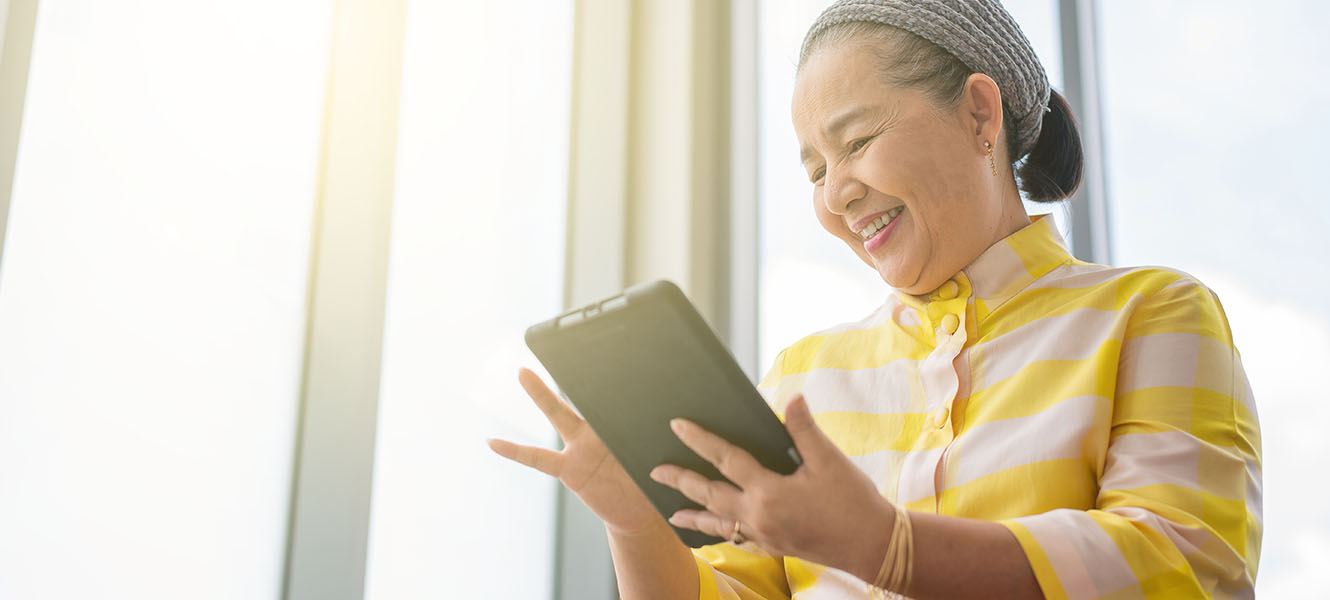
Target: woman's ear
981, 104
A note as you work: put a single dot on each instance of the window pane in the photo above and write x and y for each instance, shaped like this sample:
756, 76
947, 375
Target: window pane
1216, 135
810, 280
153, 294
477, 256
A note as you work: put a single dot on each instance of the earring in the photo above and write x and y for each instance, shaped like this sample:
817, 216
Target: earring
991, 161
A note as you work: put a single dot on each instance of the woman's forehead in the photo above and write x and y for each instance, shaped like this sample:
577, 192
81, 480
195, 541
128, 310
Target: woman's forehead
829, 95
839, 70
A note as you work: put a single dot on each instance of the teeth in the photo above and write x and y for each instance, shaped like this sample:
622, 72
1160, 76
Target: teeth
877, 224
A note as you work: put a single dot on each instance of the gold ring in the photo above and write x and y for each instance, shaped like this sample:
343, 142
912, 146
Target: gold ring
736, 536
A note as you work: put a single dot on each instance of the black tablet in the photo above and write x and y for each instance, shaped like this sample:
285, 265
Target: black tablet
632, 362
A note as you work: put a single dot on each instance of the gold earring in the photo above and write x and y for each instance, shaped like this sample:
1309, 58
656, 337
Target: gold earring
991, 161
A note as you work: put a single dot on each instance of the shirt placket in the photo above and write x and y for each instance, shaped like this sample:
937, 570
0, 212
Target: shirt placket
946, 315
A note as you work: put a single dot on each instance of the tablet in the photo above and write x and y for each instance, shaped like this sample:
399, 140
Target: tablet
632, 362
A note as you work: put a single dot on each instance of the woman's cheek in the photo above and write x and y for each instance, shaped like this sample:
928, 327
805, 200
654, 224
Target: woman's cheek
835, 225
828, 221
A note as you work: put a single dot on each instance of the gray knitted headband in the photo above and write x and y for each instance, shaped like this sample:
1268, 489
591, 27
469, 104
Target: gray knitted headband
978, 32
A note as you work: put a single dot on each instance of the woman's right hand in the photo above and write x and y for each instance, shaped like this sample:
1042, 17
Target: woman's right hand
584, 465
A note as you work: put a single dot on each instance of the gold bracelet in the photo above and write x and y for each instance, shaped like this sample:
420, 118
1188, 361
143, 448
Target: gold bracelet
884, 572
905, 561
897, 571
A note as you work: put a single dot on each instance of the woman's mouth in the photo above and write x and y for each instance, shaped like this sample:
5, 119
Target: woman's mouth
875, 234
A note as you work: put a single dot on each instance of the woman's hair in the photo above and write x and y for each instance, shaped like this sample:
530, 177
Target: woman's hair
1051, 171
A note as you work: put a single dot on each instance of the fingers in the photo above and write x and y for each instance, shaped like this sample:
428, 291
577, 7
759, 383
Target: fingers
704, 521
560, 415
732, 461
809, 440
717, 496
544, 460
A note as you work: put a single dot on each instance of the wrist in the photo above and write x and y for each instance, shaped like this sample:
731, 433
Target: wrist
870, 548
656, 528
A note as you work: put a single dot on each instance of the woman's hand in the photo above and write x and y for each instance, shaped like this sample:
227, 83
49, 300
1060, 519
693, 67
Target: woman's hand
827, 511
585, 466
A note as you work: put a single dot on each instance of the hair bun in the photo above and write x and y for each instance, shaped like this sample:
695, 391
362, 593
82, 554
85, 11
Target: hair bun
1055, 165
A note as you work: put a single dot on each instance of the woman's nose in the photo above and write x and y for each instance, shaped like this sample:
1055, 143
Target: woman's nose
839, 190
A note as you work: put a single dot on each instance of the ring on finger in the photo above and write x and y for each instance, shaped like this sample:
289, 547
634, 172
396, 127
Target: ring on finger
736, 536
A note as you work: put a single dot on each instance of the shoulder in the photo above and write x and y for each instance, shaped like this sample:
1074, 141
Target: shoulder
1124, 288
1147, 300
1156, 283
1175, 302
800, 356
1143, 280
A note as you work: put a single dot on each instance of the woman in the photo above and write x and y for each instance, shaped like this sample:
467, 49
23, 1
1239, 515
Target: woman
1012, 422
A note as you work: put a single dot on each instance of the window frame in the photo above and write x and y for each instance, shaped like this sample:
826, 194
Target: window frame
333, 475
1079, 36
20, 22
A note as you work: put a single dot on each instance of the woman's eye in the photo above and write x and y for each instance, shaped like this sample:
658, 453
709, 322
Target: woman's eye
859, 144
818, 175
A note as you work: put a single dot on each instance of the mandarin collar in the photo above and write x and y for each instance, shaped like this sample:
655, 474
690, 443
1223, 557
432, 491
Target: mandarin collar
1005, 268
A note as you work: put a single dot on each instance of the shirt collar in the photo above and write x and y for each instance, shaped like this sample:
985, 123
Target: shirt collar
1008, 266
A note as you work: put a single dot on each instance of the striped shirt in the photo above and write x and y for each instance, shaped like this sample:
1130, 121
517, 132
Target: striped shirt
1101, 414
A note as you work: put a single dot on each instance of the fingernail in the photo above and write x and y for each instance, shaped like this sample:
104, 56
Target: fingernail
656, 474
675, 520
677, 425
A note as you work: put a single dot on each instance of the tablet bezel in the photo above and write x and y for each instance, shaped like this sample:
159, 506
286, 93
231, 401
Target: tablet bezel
632, 362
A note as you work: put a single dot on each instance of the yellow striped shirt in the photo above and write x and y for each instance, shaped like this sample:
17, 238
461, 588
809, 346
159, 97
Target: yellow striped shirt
1101, 414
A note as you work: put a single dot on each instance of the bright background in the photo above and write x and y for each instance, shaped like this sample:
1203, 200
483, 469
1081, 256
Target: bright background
152, 297
473, 263
156, 265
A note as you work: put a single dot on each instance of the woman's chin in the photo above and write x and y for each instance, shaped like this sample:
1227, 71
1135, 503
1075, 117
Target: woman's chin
896, 277
898, 273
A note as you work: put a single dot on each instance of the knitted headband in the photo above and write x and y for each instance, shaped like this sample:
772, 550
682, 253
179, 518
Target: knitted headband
978, 32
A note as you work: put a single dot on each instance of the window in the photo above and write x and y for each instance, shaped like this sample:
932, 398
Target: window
476, 257
152, 305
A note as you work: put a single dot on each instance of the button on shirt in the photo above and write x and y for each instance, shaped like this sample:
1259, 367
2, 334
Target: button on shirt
1101, 414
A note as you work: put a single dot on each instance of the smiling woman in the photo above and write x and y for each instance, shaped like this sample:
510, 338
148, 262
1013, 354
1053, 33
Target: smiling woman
894, 142
1011, 421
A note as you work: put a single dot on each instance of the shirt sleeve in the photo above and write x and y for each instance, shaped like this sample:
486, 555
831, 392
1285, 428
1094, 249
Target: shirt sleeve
729, 572
1178, 512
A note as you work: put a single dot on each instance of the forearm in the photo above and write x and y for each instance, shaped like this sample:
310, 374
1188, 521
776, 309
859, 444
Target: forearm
956, 557
653, 564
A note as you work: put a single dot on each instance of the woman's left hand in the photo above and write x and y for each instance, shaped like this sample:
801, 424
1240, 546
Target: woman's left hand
827, 511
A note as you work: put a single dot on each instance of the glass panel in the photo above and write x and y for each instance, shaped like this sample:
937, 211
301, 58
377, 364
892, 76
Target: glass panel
477, 256
809, 280
1216, 133
152, 306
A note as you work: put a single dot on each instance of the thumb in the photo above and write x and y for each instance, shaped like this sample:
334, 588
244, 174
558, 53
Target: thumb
811, 443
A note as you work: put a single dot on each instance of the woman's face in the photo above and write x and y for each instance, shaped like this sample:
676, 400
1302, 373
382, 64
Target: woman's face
879, 154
